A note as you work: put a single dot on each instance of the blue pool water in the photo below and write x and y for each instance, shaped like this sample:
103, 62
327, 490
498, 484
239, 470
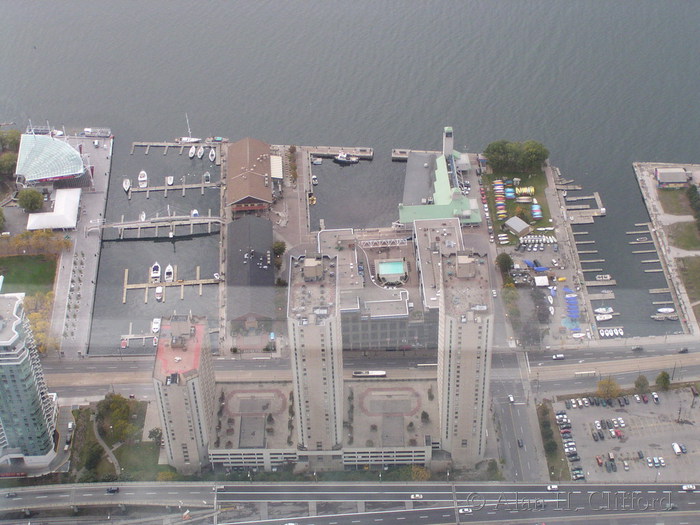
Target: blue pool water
390, 268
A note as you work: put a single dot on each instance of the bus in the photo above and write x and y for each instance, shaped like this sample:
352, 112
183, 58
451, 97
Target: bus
369, 373
589, 373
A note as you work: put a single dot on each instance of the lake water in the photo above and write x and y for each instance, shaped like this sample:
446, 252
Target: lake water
601, 84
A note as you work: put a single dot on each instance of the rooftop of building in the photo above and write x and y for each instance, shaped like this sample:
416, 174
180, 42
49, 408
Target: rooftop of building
8, 317
248, 172
46, 157
179, 346
312, 288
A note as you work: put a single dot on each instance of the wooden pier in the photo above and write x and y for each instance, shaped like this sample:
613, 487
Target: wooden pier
591, 269
401, 155
585, 242
580, 233
591, 260
660, 290
587, 251
654, 270
638, 232
662, 302
180, 146
650, 261
611, 282
601, 296
175, 187
147, 287
644, 251
170, 222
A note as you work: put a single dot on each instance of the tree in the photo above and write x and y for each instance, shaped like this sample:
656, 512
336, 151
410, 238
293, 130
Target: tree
155, 434
504, 263
278, 248
93, 456
641, 384
550, 447
9, 140
533, 155
663, 380
608, 387
30, 200
424, 416
505, 156
8, 164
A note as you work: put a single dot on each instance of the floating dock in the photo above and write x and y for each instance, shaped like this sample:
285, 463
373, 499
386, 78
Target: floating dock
611, 282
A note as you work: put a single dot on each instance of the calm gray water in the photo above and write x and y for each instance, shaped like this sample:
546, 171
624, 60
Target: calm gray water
600, 83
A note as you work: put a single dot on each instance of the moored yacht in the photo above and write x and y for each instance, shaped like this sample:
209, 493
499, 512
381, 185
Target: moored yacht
603, 310
159, 293
344, 158
193, 151
169, 273
200, 152
126, 184
169, 180
603, 317
155, 272
143, 179
665, 310
212, 155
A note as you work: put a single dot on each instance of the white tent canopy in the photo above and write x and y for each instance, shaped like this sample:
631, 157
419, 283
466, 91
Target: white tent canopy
64, 214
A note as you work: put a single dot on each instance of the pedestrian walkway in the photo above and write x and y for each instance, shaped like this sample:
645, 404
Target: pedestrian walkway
110, 455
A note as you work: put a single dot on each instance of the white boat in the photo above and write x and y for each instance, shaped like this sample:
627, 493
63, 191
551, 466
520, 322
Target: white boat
200, 152
212, 155
314, 180
206, 177
578, 335
551, 310
608, 332
189, 138
603, 277
641, 239
665, 310
603, 317
155, 272
550, 299
142, 216
316, 161
169, 274
571, 295
193, 151
622, 332
616, 332
344, 158
159, 293
155, 325
143, 179
603, 310
217, 276
606, 291
194, 213
601, 332
126, 184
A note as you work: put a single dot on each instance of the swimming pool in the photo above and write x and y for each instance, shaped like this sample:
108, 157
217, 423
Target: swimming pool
390, 268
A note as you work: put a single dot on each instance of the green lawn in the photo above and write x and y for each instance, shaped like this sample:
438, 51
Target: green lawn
538, 181
27, 273
684, 235
690, 272
674, 202
140, 461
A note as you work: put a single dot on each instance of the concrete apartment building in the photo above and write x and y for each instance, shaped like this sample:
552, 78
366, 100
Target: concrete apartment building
27, 410
313, 322
183, 377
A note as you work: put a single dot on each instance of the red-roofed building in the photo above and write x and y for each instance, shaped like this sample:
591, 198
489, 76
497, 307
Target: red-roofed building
183, 377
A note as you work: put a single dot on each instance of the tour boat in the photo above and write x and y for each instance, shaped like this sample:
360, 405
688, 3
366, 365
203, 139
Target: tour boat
603, 317
200, 152
142, 216
126, 184
169, 180
143, 179
155, 273
159, 293
603, 310
344, 158
169, 273
155, 325
212, 155
193, 151
665, 310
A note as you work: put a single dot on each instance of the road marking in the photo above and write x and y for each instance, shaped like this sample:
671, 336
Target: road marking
196, 492
423, 517
64, 495
691, 503
40, 497
88, 494
400, 518
150, 493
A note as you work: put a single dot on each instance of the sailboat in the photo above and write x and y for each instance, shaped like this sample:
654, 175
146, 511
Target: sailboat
189, 138
193, 151
200, 152
142, 216
603, 310
169, 180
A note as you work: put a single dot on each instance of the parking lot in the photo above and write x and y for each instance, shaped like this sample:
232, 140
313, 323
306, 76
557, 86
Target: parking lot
647, 427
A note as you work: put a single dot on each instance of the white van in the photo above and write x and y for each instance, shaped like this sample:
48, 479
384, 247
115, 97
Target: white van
556, 357
676, 448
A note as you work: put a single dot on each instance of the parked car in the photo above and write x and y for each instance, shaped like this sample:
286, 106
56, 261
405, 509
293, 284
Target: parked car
683, 351
645, 398
597, 425
650, 463
637, 398
416, 496
601, 435
683, 448
640, 454
626, 465
688, 488
599, 460
595, 436
554, 488
574, 458
655, 397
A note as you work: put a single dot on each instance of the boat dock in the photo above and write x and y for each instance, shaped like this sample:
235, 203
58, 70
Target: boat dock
588, 252
168, 222
181, 147
591, 269
660, 290
585, 242
644, 251
601, 296
580, 233
566, 186
610, 282
401, 155
583, 213
175, 187
591, 260
147, 287
332, 151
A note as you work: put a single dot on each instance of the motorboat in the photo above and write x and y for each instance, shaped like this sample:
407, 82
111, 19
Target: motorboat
656, 317
606, 291
603, 310
550, 299
578, 335
193, 151
344, 158
665, 310
603, 277
616, 332
169, 180
608, 332
212, 155
143, 179
159, 293
142, 216
194, 213
124, 343
642, 239
206, 177
155, 341
571, 295
316, 161
169, 275
155, 325
126, 184
200, 152
314, 180
601, 332
155, 273
622, 332
551, 310
603, 317
217, 276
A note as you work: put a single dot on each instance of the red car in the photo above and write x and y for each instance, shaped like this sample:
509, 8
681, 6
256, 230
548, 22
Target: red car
645, 398
618, 432
599, 459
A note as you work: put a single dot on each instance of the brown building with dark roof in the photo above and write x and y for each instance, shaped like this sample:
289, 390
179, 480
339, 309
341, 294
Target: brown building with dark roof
248, 178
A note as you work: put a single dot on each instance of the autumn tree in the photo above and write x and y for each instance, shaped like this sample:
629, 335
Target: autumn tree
641, 384
608, 388
663, 380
